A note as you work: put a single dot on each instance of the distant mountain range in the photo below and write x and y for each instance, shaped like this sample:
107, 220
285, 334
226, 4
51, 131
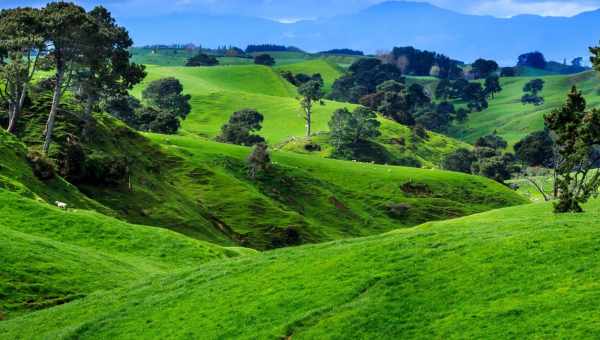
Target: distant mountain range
383, 26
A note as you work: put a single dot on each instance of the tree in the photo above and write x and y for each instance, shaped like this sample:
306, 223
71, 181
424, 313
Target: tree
577, 62
22, 44
492, 141
460, 160
62, 24
264, 59
438, 118
483, 68
259, 160
508, 72
202, 59
167, 95
492, 85
475, 97
418, 96
105, 68
443, 89
537, 149
577, 137
531, 89
532, 59
240, 127
350, 128
311, 92
498, 167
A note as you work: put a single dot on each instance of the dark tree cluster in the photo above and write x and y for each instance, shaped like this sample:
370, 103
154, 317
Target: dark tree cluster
531, 92
240, 128
415, 62
483, 68
202, 59
536, 149
271, 48
264, 59
473, 93
301, 78
532, 59
87, 51
163, 107
363, 78
351, 129
343, 51
487, 159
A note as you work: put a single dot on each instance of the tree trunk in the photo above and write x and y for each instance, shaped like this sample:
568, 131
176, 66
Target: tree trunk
11, 113
12, 124
308, 122
55, 103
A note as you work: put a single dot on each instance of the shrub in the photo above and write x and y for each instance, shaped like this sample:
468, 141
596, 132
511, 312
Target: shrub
240, 127
42, 166
264, 59
398, 210
259, 160
104, 169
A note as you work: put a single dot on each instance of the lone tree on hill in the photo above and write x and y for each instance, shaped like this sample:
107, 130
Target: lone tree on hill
311, 92
62, 22
492, 85
22, 45
264, 59
240, 127
532, 89
577, 137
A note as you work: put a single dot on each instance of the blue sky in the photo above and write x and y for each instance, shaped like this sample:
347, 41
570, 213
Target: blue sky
306, 9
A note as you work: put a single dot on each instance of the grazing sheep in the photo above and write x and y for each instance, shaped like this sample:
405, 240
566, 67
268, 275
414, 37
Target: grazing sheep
61, 205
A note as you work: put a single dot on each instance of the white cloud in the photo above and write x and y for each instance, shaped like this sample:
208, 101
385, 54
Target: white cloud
508, 8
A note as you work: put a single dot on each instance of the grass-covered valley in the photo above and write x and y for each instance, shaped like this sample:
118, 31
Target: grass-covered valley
186, 192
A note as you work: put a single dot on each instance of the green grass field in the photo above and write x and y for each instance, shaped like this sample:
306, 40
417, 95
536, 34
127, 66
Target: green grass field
465, 278
514, 120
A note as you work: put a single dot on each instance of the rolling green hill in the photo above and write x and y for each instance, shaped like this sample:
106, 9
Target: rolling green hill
51, 257
513, 120
466, 278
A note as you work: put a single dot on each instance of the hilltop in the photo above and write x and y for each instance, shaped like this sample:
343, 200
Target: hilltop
522, 266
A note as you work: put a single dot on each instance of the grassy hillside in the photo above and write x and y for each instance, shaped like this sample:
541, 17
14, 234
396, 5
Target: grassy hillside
51, 257
466, 278
513, 120
219, 91
312, 197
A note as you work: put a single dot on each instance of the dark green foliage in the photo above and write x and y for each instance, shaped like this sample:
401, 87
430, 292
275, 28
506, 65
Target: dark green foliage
42, 166
532, 89
167, 95
491, 141
391, 99
460, 160
475, 95
492, 85
443, 89
437, 118
240, 127
104, 169
123, 107
351, 128
259, 160
417, 96
483, 68
158, 121
536, 149
533, 59
271, 48
508, 72
577, 137
421, 63
364, 77
498, 167
202, 59
301, 78
264, 59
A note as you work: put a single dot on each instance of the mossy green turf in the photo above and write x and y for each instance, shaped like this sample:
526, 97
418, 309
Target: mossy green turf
520, 272
514, 120
50, 256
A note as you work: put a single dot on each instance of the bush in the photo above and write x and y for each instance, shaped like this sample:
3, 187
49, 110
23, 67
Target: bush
104, 169
202, 59
398, 210
460, 160
240, 127
259, 160
42, 166
264, 59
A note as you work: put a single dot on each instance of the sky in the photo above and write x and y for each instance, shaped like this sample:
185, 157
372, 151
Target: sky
293, 10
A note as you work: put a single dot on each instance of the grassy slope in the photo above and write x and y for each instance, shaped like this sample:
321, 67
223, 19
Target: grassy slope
50, 257
312, 195
466, 278
512, 119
